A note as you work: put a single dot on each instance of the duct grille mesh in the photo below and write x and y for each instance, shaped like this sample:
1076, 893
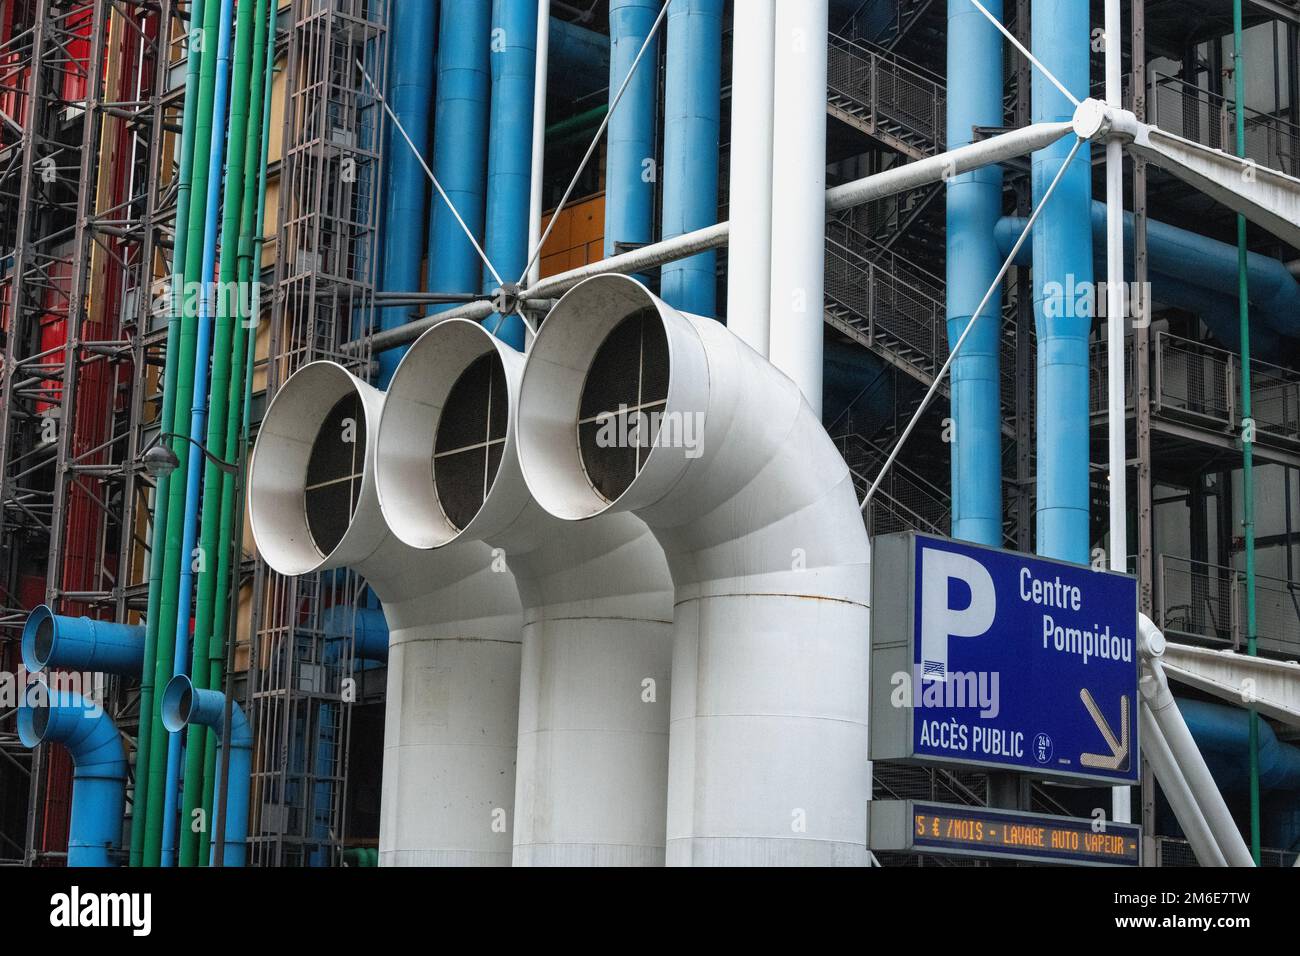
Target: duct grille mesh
334, 473
43, 643
623, 399
471, 438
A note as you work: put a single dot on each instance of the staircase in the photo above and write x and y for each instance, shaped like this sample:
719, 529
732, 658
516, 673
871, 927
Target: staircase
896, 103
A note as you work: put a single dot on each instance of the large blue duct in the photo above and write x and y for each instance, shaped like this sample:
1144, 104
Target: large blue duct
184, 704
1062, 249
514, 53
406, 187
630, 171
1223, 735
80, 644
99, 768
460, 146
974, 206
692, 117
577, 60
366, 625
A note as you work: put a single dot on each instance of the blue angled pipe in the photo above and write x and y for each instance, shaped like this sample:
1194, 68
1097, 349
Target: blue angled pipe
460, 146
513, 55
577, 60
1062, 249
406, 187
99, 768
198, 415
367, 626
81, 644
692, 117
184, 704
974, 207
630, 172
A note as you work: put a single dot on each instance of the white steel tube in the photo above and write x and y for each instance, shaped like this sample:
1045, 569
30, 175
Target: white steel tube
1174, 784
749, 253
592, 779
539, 138
757, 515
453, 665
1115, 321
798, 195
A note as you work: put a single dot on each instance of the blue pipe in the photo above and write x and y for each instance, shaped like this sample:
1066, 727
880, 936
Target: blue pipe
198, 415
630, 172
460, 146
513, 55
406, 188
1062, 247
99, 768
182, 705
692, 118
974, 206
577, 60
80, 644
368, 628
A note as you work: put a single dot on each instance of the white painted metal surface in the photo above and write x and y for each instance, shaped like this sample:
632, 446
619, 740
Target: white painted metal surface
592, 778
1273, 687
770, 560
453, 666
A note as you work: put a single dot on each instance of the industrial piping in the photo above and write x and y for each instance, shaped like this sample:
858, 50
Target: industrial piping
597, 602
453, 669
1062, 248
184, 705
81, 644
757, 515
973, 208
692, 117
631, 158
99, 768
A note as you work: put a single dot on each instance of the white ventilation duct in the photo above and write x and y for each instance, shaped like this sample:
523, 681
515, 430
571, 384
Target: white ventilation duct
597, 599
453, 666
756, 513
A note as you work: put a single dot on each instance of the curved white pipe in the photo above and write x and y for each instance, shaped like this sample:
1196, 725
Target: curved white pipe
756, 512
453, 666
597, 637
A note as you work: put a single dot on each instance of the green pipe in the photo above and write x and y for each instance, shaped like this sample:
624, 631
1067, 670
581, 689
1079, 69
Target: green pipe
210, 542
184, 184
240, 374
185, 345
566, 129
1247, 423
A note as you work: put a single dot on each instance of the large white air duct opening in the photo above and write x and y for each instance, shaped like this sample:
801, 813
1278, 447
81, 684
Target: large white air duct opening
756, 513
453, 666
593, 716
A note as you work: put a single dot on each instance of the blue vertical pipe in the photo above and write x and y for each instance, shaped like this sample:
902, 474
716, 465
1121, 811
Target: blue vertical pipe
460, 146
1062, 249
406, 187
974, 208
630, 172
184, 704
198, 413
692, 117
99, 768
513, 47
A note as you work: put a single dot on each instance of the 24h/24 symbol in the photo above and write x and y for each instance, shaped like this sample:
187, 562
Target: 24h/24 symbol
1043, 748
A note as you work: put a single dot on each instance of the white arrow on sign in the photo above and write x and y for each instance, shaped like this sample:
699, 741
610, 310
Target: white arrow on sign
1117, 759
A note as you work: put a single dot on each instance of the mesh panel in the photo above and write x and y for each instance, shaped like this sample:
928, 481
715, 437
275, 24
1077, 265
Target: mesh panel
623, 400
471, 438
334, 473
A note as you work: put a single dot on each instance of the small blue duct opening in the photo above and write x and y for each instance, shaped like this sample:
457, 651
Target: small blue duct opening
1062, 248
692, 118
99, 768
513, 46
1222, 734
630, 161
1198, 274
974, 207
414, 33
460, 146
184, 704
81, 644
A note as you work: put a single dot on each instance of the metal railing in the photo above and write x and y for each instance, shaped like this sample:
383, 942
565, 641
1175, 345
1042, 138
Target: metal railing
1186, 110
1206, 603
905, 501
895, 95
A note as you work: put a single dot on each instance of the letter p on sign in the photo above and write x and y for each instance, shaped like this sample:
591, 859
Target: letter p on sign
940, 620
